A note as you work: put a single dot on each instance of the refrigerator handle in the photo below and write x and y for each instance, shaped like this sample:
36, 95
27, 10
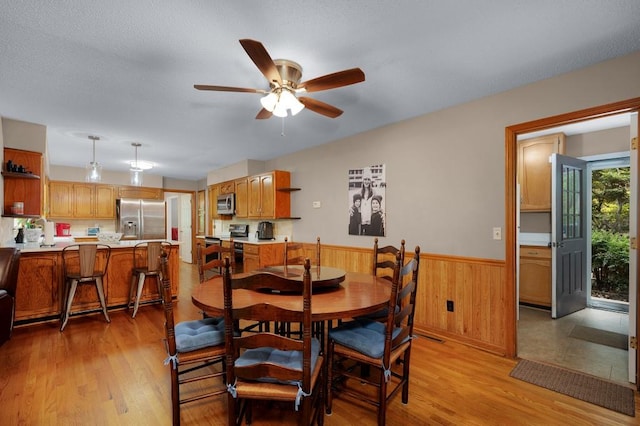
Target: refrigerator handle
141, 222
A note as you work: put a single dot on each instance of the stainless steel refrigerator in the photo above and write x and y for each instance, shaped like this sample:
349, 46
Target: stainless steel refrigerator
141, 219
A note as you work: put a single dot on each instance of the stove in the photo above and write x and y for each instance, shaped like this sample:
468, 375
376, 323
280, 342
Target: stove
238, 231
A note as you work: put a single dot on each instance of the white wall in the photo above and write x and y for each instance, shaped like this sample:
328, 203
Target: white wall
445, 170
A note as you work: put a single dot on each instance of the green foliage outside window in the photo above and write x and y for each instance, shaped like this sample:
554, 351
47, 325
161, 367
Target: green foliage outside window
610, 233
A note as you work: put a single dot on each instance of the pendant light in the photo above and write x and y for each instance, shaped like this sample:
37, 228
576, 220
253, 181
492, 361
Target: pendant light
94, 169
136, 171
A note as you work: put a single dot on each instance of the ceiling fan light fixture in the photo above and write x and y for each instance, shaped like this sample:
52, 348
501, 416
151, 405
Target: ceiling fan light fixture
290, 102
280, 110
94, 169
269, 102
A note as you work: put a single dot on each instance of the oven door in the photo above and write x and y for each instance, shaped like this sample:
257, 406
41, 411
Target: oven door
209, 241
238, 250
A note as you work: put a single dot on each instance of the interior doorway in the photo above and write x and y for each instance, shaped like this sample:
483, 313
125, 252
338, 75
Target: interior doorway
511, 134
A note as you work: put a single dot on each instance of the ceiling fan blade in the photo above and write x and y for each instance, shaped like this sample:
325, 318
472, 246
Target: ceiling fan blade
264, 114
261, 58
320, 107
227, 89
332, 81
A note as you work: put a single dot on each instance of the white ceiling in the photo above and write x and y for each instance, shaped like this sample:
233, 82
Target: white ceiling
124, 70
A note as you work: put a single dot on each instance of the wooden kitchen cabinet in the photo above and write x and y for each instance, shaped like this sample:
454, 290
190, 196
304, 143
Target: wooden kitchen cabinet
261, 255
265, 201
81, 200
23, 187
94, 201
38, 290
534, 171
228, 187
145, 193
60, 199
242, 200
535, 275
213, 192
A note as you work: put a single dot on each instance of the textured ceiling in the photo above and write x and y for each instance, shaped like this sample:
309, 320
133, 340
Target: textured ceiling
124, 70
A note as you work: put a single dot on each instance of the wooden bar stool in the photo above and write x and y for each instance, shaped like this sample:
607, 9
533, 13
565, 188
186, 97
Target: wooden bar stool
84, 264
146, 263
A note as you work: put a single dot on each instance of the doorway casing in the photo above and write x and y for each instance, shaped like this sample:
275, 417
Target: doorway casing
511, 152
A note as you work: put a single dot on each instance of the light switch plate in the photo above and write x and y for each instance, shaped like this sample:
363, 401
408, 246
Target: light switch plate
316, 204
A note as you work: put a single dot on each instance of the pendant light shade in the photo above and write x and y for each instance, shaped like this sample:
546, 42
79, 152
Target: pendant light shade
135, 170
94, 169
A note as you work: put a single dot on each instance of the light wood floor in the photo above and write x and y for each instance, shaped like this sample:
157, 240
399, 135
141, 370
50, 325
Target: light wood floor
96, 373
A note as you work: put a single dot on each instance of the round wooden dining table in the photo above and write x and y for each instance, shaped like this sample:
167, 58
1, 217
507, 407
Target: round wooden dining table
357, 294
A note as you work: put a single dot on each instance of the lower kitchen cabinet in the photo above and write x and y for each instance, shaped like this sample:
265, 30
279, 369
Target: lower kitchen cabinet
535, 275
40, 288
37, 292
262, 255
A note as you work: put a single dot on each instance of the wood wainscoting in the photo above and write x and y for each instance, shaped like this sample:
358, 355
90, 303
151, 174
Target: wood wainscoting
477, 288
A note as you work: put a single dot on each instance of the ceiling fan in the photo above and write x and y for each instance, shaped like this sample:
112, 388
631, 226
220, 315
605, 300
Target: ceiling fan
284, 84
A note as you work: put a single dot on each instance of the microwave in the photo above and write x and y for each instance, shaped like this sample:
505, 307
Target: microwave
226, 204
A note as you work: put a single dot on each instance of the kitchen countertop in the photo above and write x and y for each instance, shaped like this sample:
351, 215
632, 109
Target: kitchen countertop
251, 240
535, 239
62, 243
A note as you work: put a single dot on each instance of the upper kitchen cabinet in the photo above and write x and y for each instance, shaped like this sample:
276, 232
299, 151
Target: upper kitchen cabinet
534, 171
227, 187
140, 192
265, 201
81, 200
212, 191
23, 183
242, 200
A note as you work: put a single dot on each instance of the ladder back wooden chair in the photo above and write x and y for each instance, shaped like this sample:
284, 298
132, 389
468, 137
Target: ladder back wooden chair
267, 366
215, 253
84, 264
146, 264
378, 345
193, 349
294, 253
384, 259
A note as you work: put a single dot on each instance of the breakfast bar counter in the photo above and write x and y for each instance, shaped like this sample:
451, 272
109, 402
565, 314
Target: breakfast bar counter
40, 287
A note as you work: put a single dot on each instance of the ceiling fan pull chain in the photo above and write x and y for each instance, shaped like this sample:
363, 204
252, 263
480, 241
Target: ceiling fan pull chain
282, 134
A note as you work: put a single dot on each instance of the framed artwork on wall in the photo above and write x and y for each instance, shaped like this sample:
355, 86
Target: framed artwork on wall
367, 193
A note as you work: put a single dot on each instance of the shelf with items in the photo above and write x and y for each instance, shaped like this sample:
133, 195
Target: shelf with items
23, 185
19, 175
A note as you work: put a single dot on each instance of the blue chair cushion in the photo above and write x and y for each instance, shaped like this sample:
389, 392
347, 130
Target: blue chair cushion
289, 359
381, 314
198, 334
362, 335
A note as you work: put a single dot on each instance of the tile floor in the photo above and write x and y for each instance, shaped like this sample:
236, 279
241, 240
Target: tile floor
544, 339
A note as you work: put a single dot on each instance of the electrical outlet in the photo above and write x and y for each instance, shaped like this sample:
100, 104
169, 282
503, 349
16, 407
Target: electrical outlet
497, 233
449, 305
316, 204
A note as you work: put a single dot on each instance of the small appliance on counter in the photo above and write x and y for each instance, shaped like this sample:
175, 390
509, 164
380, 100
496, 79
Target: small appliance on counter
63, 229
265, 231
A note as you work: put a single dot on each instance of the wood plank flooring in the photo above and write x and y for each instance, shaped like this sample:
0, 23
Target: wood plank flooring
96, 373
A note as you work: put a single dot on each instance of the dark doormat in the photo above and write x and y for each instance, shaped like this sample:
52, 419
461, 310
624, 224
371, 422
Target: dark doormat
601, 337
581, 386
